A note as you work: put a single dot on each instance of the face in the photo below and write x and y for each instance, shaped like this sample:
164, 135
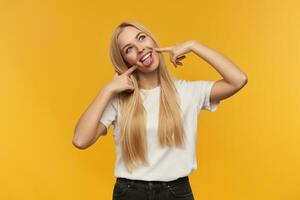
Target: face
135, 45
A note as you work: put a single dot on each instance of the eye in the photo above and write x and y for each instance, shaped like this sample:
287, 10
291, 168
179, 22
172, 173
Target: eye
142, 36
127, 49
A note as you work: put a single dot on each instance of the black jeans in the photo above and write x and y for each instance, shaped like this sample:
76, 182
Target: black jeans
126, 189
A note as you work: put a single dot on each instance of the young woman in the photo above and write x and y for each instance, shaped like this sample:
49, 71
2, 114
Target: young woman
154, 114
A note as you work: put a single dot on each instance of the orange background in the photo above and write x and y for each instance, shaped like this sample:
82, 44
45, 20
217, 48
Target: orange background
54, 60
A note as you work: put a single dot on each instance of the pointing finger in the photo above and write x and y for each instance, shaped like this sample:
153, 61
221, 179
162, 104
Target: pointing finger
130, 70
163, 49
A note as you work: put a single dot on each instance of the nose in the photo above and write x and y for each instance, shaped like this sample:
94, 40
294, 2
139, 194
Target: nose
140, 47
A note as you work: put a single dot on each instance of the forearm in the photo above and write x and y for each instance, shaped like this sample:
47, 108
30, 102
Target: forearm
85, 130
226, 68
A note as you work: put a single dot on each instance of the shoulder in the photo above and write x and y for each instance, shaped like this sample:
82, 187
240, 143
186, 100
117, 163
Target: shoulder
183, 86
178, 82
186, 84
114, 102
192, 87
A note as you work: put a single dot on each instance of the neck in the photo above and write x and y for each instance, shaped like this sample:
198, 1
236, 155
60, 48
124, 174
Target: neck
148, 80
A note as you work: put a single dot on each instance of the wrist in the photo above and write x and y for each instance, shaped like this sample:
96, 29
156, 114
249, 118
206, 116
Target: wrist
107, 90
192, 44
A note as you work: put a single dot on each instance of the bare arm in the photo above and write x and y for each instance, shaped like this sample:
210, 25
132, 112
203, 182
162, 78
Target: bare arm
233, 78
89, 127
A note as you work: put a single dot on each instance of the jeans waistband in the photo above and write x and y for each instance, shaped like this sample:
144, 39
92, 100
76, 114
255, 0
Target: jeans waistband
151, 184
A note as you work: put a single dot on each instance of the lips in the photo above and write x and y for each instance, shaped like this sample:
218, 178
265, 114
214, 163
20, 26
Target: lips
140, 59
148, 61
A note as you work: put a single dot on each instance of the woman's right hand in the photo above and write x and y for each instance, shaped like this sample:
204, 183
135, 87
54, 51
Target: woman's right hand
122, 82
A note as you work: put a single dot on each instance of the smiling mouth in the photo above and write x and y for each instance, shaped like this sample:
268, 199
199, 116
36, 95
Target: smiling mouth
145, 56
147, 60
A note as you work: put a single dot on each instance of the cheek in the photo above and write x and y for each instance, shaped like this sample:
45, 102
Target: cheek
152, 43
131, 58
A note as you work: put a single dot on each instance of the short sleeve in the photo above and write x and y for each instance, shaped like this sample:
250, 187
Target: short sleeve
201, 90
109, 115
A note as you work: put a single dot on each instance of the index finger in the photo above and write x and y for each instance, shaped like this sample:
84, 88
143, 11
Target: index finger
130, 70
163, 49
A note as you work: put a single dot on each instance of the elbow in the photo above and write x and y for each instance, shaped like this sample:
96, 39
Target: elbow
245, 77
79, 144
243, 81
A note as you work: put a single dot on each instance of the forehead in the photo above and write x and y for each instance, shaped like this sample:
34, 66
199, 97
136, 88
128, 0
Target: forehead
128, 34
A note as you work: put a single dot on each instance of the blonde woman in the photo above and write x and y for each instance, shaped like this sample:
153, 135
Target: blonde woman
154, 114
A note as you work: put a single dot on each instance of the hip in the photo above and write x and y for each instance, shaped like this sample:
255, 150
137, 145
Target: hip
138, 189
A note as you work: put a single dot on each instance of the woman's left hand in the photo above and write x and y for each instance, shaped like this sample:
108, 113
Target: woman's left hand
177, 51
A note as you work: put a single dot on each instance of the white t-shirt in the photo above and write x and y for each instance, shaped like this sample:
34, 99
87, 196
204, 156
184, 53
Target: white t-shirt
168, 163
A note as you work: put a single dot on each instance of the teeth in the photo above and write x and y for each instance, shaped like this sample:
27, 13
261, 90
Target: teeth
146, 56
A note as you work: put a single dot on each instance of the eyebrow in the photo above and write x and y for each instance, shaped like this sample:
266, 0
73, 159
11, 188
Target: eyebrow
135, 37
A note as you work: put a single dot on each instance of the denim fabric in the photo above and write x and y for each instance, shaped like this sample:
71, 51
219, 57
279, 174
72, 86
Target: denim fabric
126, 189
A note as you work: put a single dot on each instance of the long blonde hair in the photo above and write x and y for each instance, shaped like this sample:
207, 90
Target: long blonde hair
133, 114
